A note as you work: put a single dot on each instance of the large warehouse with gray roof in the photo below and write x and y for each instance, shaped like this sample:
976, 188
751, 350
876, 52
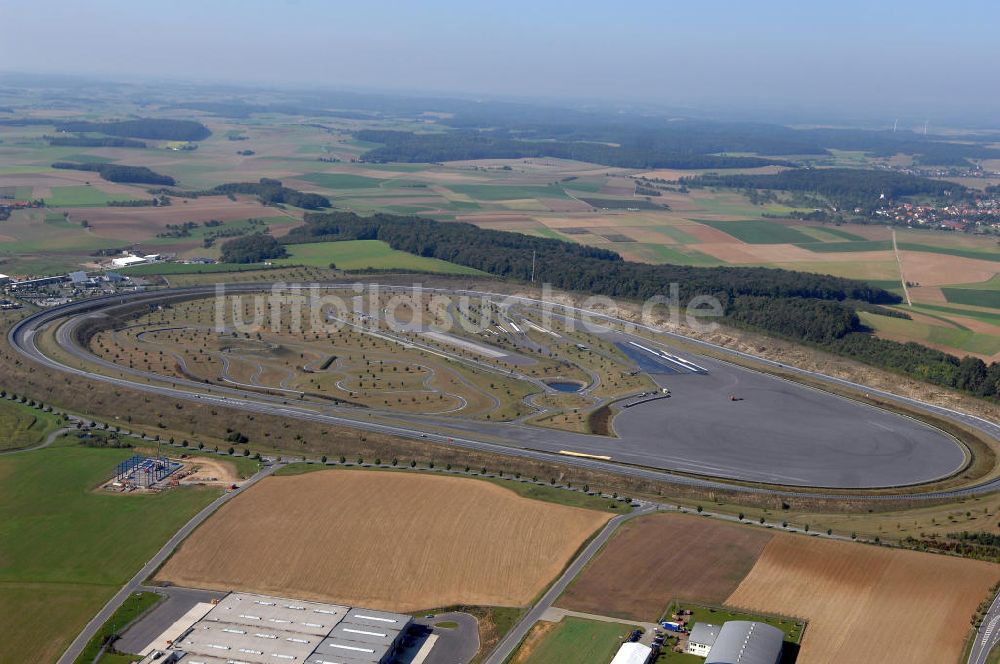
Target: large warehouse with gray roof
258, 629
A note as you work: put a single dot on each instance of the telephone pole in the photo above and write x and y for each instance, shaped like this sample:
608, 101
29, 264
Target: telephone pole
533, 266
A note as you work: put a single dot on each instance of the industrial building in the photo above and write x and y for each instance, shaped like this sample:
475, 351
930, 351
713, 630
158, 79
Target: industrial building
255, 629
746, 642
128, 261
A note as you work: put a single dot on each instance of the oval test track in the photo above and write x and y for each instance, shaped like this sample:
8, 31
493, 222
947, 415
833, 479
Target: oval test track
22, 335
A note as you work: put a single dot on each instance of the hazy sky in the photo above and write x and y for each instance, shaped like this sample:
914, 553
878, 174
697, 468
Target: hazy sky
898, 57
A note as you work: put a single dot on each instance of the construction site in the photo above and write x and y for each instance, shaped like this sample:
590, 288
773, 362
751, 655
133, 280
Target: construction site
156, 473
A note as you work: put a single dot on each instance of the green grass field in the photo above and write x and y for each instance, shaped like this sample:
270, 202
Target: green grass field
972, 297
342, 181
366, 254
841, 234
65, 549
833, 247
580, 641
753, 231
81, 196
959, 338
975, 314
664, 253
951, 251
498, 192
23, 426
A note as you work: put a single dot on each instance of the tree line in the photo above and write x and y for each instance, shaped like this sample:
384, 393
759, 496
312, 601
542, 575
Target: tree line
847, 188
814, 309
119, 172
404, 146
268, 191
94, 142
162, 129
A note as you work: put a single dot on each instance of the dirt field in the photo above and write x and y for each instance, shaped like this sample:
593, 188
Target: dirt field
394, 541
865, 603
210, 471
654, 559
941, 269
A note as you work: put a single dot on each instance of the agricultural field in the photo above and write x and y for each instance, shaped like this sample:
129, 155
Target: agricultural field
654, 560
65, 549
868, 603
856, 599
569, 200
572, 639
357, 255
457, 541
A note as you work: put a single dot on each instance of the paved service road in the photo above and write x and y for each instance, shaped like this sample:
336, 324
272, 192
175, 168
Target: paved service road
988, 635
135, 584
51, 438
456, 645
177, 602
513, 639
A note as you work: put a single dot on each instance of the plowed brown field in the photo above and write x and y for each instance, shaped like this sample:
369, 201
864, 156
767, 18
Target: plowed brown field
396, 541
868, 604
654, 559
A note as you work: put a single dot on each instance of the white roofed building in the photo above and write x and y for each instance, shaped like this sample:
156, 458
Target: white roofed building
632, 653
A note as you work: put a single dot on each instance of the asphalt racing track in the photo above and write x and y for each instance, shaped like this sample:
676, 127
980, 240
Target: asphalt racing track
778, 432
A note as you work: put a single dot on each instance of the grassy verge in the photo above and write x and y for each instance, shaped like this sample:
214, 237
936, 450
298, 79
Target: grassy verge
574, 640
24, 426
549, 494
66, 548
133, 607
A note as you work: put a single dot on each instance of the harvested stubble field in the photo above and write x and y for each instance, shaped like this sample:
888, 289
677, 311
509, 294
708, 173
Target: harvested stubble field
865, 603
395, 541
654, 559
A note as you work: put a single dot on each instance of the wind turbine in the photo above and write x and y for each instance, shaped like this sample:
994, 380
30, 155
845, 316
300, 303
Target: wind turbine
894, 123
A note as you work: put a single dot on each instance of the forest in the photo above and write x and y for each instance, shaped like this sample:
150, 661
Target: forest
814, 309
846, 188
154, 128
273, 192
270, 192
254, 248
403, 146
119, 173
